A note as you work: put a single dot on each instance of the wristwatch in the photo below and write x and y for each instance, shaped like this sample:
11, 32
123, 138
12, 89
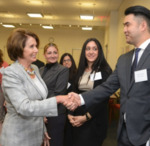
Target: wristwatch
87, 117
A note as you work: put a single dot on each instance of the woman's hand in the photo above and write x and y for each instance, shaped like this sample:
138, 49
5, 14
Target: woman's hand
71, 118
46, 139
68, 101
4, 104
45, 120
77, 121
62, 98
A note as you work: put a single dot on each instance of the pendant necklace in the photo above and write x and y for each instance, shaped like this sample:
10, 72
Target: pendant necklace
32, 72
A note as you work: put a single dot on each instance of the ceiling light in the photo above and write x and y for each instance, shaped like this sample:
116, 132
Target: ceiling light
8, 25
86, 17
35, 2
35, 15
47, 27
87, 4
86, 28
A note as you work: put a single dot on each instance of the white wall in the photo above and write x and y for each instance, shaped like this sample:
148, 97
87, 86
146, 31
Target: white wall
122, 46
71, 38
66, 39
114, 35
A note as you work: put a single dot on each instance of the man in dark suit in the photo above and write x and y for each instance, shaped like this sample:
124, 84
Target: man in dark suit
134, 123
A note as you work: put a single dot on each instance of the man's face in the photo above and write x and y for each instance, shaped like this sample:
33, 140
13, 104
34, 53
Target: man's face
132, 29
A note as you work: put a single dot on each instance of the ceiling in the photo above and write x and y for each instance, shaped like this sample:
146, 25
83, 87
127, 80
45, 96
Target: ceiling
59, 13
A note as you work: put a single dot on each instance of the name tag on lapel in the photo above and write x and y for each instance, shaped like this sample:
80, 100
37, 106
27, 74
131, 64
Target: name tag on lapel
68, 85
96, 76
140, 75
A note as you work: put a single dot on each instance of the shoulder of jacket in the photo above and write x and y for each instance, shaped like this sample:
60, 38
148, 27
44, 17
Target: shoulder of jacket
61, 67
12, 70
126, 54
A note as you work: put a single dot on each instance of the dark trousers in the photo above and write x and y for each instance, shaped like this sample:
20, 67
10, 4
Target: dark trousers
55, 128
123, 138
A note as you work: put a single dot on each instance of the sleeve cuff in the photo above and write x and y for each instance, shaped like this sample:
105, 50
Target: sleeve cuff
82, 100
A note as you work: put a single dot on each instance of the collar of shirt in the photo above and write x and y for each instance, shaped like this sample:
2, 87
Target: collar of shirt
143, 47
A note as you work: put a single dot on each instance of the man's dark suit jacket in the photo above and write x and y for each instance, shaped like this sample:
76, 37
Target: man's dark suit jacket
135, 97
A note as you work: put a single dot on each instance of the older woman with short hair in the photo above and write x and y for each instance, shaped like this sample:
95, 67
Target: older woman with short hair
25, 94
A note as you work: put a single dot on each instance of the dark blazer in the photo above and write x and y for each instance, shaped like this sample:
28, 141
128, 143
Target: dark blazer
71, 82
92, 132
135, 97
38, 63
56, 79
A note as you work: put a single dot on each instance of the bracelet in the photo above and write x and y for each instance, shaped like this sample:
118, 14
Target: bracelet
87, 117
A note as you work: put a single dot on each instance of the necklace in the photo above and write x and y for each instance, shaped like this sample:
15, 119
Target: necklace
32, 72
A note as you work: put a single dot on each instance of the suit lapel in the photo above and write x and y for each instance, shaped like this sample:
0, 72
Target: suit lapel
42, 82
144, 56
25, 75
128, 68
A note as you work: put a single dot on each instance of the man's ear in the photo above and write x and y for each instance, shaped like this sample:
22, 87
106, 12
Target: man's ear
143, 26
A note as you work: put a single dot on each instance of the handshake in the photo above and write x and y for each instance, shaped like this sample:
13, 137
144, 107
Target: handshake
71, 101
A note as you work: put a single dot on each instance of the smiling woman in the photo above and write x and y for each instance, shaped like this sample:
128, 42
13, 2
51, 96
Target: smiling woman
25, 93
56, 78
51, 53
89, 126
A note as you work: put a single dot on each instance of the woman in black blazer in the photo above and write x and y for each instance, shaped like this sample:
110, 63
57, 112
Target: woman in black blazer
56, 78
89, 126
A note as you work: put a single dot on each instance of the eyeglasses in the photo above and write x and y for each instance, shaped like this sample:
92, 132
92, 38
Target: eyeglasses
68, 60
90, 48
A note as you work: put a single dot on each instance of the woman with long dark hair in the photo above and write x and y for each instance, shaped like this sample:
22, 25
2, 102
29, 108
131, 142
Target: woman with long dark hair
89, 126
68, 61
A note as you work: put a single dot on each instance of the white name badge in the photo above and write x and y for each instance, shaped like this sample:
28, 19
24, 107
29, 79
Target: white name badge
141, 75
68, 85
97, 76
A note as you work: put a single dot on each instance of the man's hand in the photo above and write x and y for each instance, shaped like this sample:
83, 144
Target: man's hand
75, 98
68, 101
71, 101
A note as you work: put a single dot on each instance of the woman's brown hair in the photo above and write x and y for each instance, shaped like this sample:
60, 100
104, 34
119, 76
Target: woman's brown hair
16, 42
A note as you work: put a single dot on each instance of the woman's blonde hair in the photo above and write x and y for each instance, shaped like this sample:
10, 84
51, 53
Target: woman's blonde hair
49, 45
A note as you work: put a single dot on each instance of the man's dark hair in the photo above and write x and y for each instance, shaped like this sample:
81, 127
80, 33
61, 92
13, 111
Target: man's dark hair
139, 11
